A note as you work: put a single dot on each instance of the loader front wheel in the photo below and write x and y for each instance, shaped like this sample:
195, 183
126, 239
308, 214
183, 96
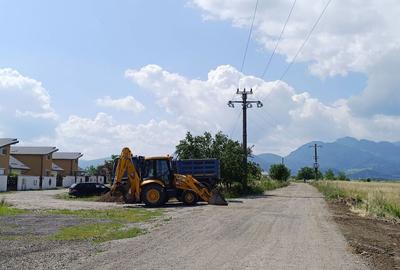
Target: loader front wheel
153, 195
189, 197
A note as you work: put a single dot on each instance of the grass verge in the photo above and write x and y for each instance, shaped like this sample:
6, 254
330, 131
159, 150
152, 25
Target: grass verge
256, 187
116, 214
66, 196
99, 232
376, 199
7, 210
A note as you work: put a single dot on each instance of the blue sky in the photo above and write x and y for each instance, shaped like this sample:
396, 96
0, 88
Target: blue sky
80, 50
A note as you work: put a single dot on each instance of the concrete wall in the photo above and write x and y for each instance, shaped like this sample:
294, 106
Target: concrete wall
3, 183
100, 179
5, 159
69, 180
26, 182
49, 182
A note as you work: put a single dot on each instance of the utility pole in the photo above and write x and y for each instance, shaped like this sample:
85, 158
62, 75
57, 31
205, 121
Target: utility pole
316, 164
246, 104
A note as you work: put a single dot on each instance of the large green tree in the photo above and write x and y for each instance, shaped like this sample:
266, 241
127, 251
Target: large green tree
307, 173
279, 172
227, 151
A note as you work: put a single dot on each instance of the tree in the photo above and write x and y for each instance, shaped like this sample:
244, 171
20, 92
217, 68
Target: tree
329, 175
227, 151
279, 172
305, 173
342, 177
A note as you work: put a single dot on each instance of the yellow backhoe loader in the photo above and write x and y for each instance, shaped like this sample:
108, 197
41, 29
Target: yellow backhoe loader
154, 183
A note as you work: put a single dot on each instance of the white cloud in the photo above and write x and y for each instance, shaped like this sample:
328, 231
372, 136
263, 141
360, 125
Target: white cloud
24, 104
295, 118
353, 36
128, 103
102, 136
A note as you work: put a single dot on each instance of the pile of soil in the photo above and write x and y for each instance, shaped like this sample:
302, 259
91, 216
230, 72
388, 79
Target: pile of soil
378, 241
108, 198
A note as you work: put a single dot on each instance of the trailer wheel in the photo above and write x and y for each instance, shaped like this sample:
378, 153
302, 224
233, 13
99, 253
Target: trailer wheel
153, 195
189, 197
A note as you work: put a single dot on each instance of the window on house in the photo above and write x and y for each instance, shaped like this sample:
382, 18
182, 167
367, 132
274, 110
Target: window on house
3, 151
49, 156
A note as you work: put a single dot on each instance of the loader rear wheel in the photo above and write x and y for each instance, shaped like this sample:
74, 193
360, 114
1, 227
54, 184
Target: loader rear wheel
153, 195
189, 197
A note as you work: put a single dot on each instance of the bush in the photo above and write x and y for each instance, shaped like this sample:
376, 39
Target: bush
279, 172
329, 175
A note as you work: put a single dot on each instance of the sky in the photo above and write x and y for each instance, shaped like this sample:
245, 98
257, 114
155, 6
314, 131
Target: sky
94, 76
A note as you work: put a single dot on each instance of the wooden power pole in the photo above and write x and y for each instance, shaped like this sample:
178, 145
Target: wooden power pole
246, 104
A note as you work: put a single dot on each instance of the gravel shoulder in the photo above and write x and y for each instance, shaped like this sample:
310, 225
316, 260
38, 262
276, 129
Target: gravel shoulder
44, 199
289, 228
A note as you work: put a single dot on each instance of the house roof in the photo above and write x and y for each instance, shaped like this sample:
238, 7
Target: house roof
16, 164
32, 150
55, 167
67, 155
7, 141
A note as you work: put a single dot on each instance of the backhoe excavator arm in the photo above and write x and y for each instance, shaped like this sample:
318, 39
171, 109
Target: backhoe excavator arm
125, 164
188, 182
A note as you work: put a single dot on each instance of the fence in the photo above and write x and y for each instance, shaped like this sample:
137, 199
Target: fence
3, 183
26, 182
49, 182
69, 180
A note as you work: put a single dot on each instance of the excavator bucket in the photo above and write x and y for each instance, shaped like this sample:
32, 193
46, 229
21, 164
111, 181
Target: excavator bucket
216, 198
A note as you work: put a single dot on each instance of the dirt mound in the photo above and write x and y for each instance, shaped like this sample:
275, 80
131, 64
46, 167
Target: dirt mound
108, 198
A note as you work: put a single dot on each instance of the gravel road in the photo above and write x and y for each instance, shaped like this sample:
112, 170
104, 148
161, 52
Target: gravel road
44, 199
289, 228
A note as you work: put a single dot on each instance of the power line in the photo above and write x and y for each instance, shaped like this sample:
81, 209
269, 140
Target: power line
279, 39
248, 39
232, 131
305, 40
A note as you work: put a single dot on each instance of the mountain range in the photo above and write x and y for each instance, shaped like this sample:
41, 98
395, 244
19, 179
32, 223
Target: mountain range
357, 158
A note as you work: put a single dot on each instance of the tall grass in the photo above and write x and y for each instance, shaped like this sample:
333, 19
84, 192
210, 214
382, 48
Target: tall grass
380, 199
256, 187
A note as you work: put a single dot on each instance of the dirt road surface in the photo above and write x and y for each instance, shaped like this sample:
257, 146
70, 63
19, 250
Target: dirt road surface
289, 228
44, 199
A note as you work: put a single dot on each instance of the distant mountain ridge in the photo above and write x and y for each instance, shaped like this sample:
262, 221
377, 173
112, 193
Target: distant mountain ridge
357, 158
94, 162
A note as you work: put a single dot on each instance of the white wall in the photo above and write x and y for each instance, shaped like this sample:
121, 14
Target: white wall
100, 179
49, 182
26, 182
80, 179
68, 181
3, 183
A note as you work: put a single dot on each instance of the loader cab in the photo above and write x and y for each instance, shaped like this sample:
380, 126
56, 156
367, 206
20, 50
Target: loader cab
158, 168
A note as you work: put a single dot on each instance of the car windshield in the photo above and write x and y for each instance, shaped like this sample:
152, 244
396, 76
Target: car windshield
73, 185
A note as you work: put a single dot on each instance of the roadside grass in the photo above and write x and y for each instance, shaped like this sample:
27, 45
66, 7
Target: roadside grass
117, 214
256, 187
381, 199
99, 232
66, 196
7, 210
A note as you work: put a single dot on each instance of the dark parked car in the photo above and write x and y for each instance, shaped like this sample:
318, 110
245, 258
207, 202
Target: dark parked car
88, 189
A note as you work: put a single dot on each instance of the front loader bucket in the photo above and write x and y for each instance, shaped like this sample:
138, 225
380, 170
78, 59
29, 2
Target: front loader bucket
217, 198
